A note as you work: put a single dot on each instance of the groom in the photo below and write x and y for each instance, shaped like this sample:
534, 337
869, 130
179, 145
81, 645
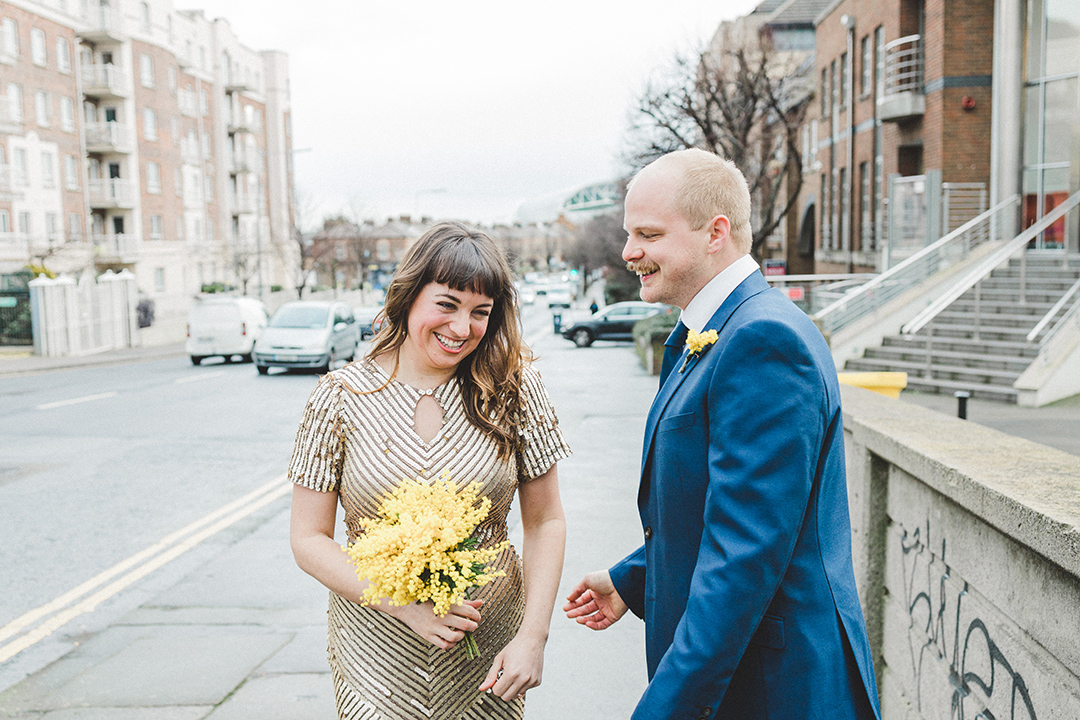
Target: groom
745, 579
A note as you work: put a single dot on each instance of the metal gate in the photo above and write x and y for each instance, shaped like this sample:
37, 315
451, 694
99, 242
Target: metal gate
15, 325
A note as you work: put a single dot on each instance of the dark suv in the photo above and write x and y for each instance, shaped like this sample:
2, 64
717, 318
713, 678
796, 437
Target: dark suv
615, 322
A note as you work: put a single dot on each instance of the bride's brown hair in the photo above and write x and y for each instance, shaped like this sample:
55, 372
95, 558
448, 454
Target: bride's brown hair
465, 260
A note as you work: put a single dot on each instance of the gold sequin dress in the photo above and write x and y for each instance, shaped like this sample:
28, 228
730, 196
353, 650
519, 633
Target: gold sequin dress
361, 446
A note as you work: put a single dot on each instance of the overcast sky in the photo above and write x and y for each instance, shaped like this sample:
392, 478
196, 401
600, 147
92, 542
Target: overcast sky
466, 109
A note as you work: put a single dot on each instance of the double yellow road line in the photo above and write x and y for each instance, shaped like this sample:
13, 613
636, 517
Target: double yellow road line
39, 623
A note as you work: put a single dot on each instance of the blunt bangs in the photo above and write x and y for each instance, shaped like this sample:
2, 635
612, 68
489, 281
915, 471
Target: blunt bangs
465, 266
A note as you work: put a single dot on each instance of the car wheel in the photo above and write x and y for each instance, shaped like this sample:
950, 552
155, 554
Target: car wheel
582, 338
196, 359
263, 369
325, 367
245, 358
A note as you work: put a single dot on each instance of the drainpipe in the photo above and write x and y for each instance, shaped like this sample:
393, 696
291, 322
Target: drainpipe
848, 21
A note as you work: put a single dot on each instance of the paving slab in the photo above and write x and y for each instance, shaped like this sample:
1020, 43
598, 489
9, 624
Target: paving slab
280, 697
173, 666
305, 653
194, 712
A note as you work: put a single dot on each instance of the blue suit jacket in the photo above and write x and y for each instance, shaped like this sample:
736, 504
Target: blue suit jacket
745, 579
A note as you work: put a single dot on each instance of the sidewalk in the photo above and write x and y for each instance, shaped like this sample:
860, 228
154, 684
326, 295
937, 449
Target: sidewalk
20, 360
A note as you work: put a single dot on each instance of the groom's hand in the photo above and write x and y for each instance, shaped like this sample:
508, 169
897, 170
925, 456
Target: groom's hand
595, 603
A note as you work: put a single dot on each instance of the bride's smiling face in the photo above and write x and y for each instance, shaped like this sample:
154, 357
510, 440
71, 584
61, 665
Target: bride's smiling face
446, 325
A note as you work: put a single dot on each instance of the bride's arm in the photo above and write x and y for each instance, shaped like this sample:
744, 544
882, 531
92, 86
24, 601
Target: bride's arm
521, 662
311, 534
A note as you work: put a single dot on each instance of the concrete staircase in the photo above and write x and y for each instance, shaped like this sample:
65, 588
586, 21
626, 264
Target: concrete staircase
985, 361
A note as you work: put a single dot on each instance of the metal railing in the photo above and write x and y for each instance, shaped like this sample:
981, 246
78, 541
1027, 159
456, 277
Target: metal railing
960, 202
116, 246
813, 292
946, 252
904, 65
1052, 313
112, 193
105, 78
983, 270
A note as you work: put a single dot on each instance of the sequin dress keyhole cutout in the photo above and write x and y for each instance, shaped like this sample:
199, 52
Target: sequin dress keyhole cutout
428, 416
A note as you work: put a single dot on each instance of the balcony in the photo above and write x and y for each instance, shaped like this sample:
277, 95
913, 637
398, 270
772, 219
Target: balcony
103, 24
241, 163
238, 124
14, 247
9, 190
116, 249
244, 205
109, 137
112, 194
903, 97
105, 81
190, 153
10, 117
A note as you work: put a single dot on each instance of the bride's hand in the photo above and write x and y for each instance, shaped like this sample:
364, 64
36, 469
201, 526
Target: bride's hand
443, 632
518, 667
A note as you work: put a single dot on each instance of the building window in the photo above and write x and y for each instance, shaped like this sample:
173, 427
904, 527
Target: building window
155, 227
42, 109
826, 212
52, 227
844, 78
9, 37
22, 175
63, 55
866, 83
834, 79
879, 52
206, 146
74, 226
67, 114
844, 223
38, 54
25, 224
866, 192
48, 171
159, 280
178, 181
209, 186
153, 178
146, 70
5, 221
826, 93
204, 103
14, 93
71, 172
146, 24
149, 124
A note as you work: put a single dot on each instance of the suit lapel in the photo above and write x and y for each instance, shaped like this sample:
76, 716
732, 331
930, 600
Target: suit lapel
749, 287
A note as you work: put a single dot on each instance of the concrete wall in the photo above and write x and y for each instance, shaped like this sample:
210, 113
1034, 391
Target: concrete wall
967, 555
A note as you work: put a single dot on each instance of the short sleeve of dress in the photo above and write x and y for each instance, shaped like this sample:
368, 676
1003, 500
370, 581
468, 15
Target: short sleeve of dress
318, 454
542, 443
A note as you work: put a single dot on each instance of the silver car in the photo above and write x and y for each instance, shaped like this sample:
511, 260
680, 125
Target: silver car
306, 334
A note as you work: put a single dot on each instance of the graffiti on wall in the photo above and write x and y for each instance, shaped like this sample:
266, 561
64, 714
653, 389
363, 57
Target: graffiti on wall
947, 632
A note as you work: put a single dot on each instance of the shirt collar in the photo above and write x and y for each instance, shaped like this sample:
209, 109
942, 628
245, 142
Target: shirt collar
709, 299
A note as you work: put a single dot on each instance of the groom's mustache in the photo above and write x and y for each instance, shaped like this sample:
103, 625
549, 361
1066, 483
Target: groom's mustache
642, 267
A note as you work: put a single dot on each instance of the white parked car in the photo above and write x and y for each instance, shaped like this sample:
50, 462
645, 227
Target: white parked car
559, 296
222, 326
306, 334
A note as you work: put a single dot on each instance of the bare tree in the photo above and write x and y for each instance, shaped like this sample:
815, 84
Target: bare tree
742, 101
245, 264
598, 245
303, 210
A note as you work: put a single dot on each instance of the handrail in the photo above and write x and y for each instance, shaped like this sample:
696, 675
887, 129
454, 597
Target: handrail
1073, 311
989, 265
1053, 311
891, 273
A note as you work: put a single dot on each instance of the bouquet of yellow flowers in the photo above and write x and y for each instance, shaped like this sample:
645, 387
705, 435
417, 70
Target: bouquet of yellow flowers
421, 547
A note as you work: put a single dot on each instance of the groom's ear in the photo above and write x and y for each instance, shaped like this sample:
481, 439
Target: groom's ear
719, 229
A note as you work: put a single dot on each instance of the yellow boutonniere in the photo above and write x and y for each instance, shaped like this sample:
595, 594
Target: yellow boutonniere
696, 342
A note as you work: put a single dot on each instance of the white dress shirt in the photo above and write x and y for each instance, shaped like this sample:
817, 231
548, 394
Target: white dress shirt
709, 299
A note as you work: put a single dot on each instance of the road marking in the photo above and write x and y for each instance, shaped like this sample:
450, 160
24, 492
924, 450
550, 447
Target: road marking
76, 401
136, 567
196, 378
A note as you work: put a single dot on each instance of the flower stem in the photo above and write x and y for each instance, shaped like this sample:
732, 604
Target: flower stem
471, 650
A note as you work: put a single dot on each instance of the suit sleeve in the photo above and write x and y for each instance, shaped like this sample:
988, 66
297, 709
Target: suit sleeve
767, 420
628, 575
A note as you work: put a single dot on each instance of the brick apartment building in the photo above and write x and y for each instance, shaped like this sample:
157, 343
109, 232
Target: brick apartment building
929, 111
135, 136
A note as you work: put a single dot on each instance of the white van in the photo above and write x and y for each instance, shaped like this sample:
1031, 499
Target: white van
224, 326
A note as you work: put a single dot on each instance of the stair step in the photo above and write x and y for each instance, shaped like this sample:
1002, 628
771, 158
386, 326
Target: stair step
947, 387
977, 376
917, 354
997, 347
993, 296
994, 320
1035, 309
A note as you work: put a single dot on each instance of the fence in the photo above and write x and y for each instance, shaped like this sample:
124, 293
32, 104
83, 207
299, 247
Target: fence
86, 316
946, 252
15, 326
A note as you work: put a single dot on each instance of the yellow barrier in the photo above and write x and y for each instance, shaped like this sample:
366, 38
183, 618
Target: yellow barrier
888, 384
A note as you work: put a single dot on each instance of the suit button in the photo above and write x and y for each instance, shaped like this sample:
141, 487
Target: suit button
648, 532
706, 712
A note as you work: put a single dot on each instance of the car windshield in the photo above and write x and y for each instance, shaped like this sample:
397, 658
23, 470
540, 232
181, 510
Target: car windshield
300, 316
